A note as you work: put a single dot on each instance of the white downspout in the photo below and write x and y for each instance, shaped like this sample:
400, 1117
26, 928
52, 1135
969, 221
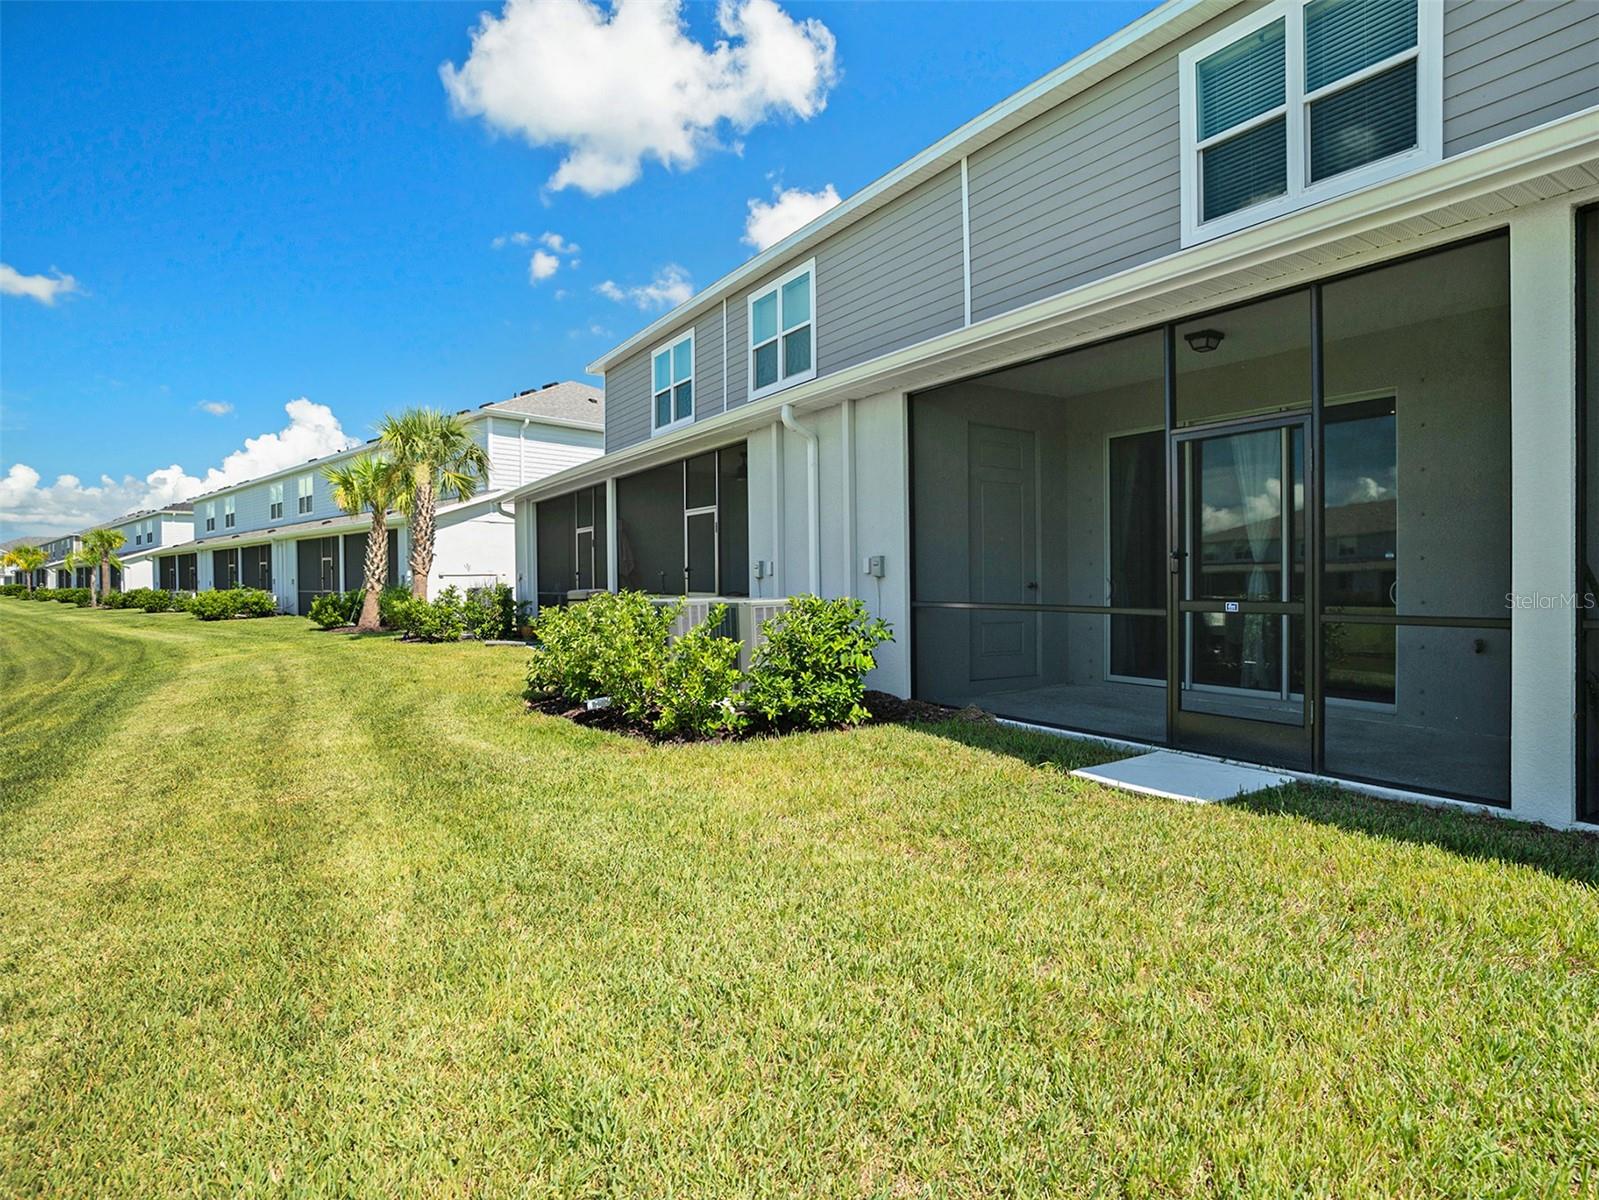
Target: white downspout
813, 487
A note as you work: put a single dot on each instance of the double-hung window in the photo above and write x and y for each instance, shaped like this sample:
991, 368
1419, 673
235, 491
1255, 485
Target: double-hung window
782, 325
275, 500
672, 368
1305, 100
303, 487
210, 515
227, 511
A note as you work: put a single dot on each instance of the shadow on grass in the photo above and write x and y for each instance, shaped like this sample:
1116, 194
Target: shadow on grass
1569, 856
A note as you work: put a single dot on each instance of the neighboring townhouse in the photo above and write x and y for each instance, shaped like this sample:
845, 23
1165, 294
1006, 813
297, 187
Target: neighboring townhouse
145, 533
284, 533
57, 572
1219, 391
16, 574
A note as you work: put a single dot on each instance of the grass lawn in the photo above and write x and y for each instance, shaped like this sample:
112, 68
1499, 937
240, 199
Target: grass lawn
294, 913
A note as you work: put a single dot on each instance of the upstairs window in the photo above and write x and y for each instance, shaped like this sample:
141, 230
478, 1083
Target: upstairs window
303, 485
275, 501
227, 512
1306, 100
782, 332
210, 515
672, 368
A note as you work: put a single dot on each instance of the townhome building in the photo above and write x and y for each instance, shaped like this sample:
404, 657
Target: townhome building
284, 533
17, 574
1227, 389
144, 533
57, 572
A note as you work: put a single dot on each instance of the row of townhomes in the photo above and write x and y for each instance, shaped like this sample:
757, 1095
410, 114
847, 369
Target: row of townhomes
1225, 389
283, 532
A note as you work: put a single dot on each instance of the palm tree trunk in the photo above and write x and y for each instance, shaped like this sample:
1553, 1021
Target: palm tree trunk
422, 529
105, 579
377, 568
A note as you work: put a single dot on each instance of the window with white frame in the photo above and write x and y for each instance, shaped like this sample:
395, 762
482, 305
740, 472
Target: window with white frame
227, 511
672, 383
1305, 100
210, 515
782, 324
275, 500
303, 487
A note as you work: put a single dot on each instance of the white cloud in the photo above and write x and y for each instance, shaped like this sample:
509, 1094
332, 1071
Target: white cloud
512, 239
541, 266
614, 88
669, 288
43, 288
1366, 489
557, 243
217, 408
68, 503
769, 222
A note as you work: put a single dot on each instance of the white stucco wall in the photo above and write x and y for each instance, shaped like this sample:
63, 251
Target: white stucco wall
863, 512
473, 549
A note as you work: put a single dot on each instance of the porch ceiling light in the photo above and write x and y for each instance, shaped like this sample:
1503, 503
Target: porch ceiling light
1203, 341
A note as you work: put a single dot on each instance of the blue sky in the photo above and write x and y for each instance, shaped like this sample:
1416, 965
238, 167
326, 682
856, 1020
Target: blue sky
264, 202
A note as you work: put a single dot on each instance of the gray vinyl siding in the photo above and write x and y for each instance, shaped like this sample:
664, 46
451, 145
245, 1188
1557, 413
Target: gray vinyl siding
1092, 187
1510, 65
738, 371
628, 395
887, 281
892, 279
708, 364
627, 402
1089, 188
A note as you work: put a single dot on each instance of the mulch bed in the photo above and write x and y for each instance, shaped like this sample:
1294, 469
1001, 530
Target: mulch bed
886, 709
892, 710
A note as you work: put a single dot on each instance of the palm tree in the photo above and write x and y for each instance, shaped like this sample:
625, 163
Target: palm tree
371, 482
99, 549
27, 559
441, 460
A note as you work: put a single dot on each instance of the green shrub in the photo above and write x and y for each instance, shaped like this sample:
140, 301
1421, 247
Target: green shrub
810, 670
82, 597
491, 612
442, 619
43, 593
13, 589
619, 646
337, 608
232, 602
699, 682
388, 600
159, 600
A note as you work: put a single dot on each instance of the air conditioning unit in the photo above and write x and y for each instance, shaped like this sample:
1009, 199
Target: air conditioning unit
742, 621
